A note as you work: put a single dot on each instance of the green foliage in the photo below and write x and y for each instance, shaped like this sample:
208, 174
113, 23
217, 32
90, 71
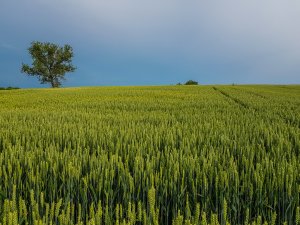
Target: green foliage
150, 155
50, 62
9, 88
191, 82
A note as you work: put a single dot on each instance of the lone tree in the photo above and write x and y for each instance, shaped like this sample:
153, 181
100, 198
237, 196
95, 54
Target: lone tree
50, 62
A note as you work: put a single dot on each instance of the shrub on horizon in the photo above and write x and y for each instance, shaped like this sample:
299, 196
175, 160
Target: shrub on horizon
191, 82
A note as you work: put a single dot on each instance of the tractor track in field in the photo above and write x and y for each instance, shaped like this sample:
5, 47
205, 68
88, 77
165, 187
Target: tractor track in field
237, 101
286, 120
252, 93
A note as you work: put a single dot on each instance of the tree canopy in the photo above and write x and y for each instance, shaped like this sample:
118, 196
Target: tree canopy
50, 62
191, 82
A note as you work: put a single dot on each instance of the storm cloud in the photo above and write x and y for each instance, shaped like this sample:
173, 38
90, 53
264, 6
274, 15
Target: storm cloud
136, 42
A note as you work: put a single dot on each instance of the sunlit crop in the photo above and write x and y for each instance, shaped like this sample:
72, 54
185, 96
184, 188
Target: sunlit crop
180, 155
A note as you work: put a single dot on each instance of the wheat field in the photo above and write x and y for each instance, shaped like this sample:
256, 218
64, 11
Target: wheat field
180, 155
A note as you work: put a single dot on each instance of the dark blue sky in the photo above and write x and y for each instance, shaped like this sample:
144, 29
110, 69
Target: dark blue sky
141, 42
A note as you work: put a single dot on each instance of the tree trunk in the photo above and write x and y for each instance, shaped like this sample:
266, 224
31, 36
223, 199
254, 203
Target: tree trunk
55, 83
